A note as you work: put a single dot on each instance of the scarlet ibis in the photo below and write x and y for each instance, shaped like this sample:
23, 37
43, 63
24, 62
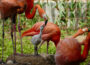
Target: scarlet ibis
50, 32
68, 51
9, 9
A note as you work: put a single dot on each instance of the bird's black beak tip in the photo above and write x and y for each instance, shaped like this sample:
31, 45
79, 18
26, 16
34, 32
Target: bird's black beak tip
46, 22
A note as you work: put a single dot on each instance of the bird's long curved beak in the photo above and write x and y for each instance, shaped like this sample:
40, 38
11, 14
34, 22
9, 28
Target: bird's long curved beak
46, 22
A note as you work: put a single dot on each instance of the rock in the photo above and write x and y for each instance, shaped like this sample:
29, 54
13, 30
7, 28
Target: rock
9, 62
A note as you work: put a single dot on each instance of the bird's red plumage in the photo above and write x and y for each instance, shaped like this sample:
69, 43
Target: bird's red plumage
50, 32
68, 51
8, 8
30, 4
86, 48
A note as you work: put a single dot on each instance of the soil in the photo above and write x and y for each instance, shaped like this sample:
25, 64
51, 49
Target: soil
32, 60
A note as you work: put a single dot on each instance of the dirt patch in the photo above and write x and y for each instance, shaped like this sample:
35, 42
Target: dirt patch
33, 60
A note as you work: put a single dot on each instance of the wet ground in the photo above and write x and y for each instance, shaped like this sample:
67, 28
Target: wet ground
32, 60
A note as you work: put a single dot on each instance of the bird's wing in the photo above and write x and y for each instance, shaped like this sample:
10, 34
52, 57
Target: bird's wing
30, 34
34, 30
48, 36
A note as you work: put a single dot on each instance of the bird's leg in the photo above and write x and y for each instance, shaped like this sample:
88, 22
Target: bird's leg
12, 42
15, 36
19, 28
0, 61
35, 50
15, 41
47, 46
14, 29
41, 44
2, 42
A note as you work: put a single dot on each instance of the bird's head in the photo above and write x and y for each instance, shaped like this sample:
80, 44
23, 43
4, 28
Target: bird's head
80, 32
45, 16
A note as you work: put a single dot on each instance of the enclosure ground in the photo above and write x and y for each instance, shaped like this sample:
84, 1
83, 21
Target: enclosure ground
33, 60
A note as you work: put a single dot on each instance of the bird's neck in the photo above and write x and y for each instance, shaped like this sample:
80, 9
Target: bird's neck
30, 4
56, 40
40, 34
56, 43
86, 47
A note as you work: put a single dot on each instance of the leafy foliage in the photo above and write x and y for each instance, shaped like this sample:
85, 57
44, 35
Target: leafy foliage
73, 12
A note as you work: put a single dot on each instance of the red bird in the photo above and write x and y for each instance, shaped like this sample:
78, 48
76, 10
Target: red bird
50, 32
68, 51
10, 9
